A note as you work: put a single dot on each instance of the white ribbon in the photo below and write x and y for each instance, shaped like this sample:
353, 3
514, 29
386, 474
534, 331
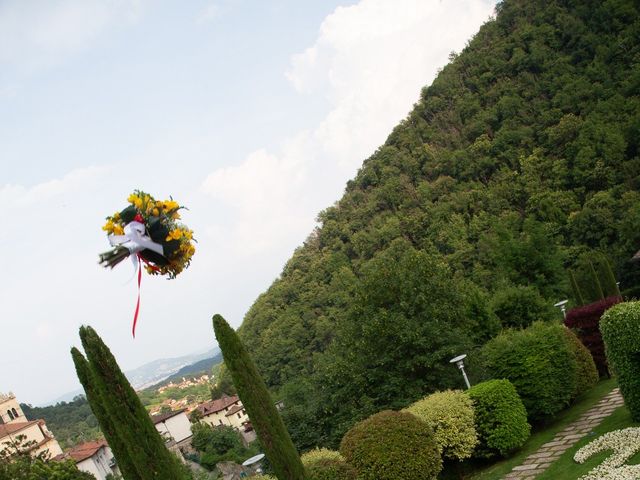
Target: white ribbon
135, 240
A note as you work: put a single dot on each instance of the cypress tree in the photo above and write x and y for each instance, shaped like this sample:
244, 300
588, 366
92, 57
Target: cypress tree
152, 460
107, 427
596, 280
256, 399
577, 294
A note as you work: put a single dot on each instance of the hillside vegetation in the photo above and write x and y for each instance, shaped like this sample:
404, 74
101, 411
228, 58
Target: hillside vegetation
521, 156
71, 422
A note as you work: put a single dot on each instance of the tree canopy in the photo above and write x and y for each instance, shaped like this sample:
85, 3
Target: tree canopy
522, 155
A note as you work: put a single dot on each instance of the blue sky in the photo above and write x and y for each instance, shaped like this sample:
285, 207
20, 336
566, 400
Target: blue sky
254, 114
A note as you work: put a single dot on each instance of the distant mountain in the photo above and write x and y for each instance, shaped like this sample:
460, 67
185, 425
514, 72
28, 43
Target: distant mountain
156, 371
203, 366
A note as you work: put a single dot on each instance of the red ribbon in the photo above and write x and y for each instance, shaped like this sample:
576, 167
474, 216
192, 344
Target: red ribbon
135, 315
154, 268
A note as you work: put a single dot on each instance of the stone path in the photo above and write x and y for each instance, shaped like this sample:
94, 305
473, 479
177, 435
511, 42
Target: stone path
537, 462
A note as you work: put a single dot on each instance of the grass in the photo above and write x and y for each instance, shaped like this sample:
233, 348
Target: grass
565, 468
540, 436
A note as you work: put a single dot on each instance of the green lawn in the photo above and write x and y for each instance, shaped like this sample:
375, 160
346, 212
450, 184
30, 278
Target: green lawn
566, 469
540, 436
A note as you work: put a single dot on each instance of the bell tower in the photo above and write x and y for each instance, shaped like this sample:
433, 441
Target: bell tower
10, 411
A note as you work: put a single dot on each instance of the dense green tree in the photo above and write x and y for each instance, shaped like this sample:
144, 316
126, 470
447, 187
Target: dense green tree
520, 306
256, 399
71, 422
218, 444
95, 398
521, 155
132, 423
394, 346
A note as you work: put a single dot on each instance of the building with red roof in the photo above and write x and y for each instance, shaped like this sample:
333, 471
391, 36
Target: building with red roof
93, 457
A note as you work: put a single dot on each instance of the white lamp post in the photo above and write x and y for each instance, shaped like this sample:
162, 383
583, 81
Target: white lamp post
254, 463
460, 364
562, 304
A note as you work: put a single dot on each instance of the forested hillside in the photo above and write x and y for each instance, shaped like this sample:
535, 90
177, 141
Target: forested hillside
71, 422
521, 157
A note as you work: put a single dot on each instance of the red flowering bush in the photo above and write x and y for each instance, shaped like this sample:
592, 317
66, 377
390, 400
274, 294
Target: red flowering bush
585, 321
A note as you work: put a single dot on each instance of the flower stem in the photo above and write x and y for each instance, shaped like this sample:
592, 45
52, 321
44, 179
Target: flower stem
114, 257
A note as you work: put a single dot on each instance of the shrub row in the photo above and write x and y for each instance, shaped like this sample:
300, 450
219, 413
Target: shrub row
392, 446
500, 418
538, 371
324, 464
546, 365
450, 415
621, 332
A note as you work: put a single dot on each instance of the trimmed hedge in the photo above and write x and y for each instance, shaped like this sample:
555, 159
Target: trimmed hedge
539, 363
586, 373
392, 446
620, 327
324, 464
585, 322
450, 415
500, 418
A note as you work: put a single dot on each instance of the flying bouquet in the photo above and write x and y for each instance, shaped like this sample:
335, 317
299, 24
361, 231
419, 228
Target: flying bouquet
149, 232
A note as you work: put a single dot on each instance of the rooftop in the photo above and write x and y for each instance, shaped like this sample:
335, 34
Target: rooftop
83, 451
235, 409
164, 416
11, 428
217, 405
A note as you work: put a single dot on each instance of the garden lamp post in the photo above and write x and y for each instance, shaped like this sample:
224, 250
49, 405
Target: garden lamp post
562, 304
460, 364
254, 463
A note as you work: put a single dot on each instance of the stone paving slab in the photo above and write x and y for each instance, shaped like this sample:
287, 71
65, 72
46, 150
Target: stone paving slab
537, 462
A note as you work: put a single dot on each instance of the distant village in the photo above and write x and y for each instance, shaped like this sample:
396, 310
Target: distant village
95, 457
186, 403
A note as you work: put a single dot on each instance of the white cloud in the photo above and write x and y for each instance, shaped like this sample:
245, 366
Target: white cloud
21, 196
370, 61
268, 193
42, 32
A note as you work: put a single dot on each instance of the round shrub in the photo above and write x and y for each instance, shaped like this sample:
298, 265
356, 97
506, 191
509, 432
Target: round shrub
586, 371
392, 446
620, 326
450, 415
520, 306
324, 464
539, 363
500, 418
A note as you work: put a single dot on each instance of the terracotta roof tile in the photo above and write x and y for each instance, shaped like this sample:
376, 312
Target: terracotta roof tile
83, 451
11, 428
217, 405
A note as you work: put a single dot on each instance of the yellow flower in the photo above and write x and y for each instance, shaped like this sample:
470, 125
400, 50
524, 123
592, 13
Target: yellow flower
171, 205
132, 198
155, 212
174, 235
175, 216
108, 227
118, 230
